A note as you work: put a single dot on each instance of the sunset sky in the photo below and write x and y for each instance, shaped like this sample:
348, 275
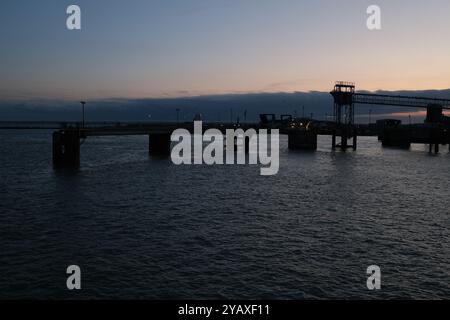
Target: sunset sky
170, 48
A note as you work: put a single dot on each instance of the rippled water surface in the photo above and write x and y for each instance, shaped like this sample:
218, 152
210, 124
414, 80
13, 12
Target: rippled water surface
141, 227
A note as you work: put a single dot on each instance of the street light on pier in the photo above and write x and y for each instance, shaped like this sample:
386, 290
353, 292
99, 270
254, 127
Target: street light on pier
82, 108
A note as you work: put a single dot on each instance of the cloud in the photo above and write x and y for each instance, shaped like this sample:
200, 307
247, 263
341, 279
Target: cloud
212, 107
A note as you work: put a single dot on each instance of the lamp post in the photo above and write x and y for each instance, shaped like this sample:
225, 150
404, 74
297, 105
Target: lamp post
82, 108
178, 116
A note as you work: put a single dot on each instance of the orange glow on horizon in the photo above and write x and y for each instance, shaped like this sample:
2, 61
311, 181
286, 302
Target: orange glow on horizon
421, 113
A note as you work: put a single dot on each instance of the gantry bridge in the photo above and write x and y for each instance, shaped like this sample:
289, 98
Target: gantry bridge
400, 101
345, 98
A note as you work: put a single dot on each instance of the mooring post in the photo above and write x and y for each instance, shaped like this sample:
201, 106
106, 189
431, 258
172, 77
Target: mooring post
436, 148
159, 144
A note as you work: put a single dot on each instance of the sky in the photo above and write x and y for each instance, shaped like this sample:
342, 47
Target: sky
172, 48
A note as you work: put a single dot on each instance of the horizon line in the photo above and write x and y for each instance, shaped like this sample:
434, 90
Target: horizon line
195, 95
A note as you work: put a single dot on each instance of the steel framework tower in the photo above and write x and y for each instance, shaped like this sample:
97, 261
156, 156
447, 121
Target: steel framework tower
344, 114
345, 98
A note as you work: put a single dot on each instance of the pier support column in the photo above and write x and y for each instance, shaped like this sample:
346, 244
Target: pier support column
434, 146
66, 148
400, 137
245, 142
333, 140
302, 140
344, 142
159, 144
345, 133
247, 145
355, 140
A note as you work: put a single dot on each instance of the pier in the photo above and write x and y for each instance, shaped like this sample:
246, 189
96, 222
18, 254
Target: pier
67, 141
302, 132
